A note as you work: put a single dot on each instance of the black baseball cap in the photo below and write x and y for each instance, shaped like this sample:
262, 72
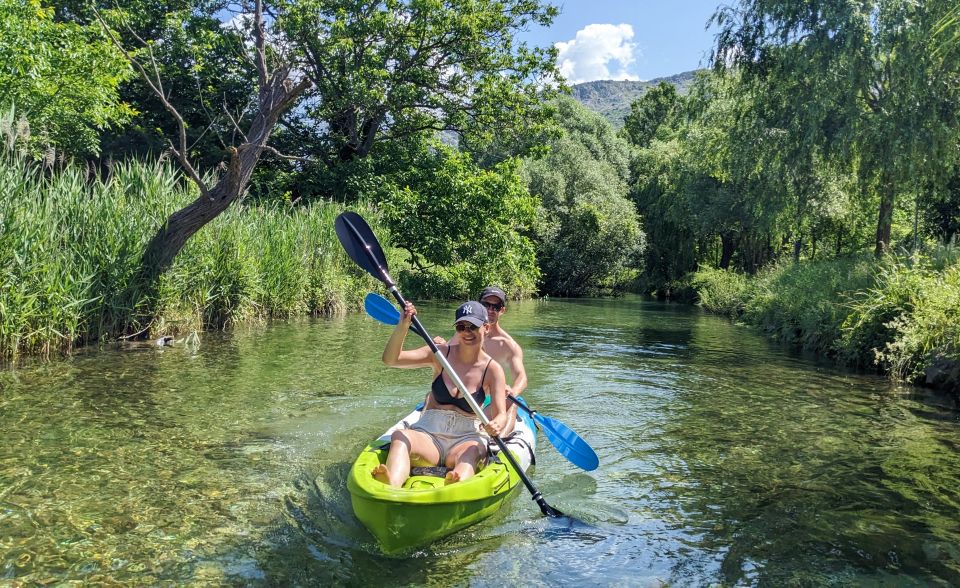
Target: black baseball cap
472, 312
493, 291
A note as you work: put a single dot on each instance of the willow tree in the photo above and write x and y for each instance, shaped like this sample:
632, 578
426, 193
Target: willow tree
863, 84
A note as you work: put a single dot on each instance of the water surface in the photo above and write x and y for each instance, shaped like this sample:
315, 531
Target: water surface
723, 460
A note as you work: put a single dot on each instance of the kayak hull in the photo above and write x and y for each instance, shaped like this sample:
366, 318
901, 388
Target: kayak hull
425, 509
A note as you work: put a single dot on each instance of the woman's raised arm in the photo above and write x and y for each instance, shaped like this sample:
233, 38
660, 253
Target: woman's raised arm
393, 353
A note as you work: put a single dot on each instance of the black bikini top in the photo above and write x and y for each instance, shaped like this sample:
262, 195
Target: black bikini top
442, 394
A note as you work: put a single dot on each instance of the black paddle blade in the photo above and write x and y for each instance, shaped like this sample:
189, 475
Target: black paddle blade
361, 245
546, 509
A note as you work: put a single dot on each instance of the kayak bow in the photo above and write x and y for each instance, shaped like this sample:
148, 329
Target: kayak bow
425, 509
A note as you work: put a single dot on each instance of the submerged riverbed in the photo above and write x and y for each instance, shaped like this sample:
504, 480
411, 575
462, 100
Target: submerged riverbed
723, 459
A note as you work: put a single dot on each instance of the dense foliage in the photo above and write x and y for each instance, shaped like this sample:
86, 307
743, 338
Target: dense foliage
588, 233
898, 315
61, 79
463, 227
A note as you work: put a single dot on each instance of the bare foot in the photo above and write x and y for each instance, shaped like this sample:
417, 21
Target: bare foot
380, 473
452, 477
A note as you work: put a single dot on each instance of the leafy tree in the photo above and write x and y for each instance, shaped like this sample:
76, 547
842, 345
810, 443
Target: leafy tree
62, 77
588, 231
862, 80
650, 113
669, 222
390, 70
446, 211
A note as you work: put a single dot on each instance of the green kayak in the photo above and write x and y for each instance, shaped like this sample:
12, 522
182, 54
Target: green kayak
425, 509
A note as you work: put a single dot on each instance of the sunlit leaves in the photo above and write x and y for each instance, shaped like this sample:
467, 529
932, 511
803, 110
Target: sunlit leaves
388, 70
63, 77
588, 232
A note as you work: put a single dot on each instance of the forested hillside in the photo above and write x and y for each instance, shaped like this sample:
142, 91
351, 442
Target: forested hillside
612, 98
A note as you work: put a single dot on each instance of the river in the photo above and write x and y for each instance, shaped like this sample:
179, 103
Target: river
724, 459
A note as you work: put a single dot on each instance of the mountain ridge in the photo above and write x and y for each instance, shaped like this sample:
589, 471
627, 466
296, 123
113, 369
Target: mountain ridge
612, 98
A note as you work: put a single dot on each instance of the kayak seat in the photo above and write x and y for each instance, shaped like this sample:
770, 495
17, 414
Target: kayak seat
438, 471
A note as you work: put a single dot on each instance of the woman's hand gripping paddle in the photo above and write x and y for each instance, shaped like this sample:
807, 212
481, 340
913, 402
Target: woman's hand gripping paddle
568, 443
363, 248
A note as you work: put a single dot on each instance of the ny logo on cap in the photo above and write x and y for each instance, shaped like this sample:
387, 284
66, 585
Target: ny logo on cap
467, 310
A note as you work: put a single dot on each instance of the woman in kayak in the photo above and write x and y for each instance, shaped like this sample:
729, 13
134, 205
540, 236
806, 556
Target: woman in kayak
448, 433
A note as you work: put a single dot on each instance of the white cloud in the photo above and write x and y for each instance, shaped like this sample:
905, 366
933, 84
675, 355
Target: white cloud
588, 57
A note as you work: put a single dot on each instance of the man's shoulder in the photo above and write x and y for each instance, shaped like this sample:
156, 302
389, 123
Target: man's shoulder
504, 340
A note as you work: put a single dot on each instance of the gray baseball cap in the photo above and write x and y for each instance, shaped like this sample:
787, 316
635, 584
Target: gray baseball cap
472, 312
493, 291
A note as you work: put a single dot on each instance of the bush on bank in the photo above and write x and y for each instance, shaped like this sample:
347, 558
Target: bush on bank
70, 247
897, 315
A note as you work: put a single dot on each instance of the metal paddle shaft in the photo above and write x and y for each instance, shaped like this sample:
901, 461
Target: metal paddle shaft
363, 248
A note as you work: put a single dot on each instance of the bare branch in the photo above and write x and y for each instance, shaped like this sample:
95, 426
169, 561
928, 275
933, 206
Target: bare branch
277, 153
157, 88
233, 121
259, 33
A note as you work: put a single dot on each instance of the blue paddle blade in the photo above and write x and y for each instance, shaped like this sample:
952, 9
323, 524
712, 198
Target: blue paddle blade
568, 443
381, 309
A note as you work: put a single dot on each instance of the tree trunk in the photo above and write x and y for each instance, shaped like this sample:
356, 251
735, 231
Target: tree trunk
885, 217
183, 224
274, 98
728, 244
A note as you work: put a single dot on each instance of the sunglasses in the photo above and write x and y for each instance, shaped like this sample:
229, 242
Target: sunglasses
461, 327
492, 306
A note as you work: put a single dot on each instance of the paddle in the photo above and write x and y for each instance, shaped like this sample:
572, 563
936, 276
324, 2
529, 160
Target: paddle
568, 443
363, 248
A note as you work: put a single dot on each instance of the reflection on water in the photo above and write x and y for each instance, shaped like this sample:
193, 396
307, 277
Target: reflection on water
723, 460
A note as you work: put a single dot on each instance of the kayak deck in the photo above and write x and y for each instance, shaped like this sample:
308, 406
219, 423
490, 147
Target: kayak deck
425, 508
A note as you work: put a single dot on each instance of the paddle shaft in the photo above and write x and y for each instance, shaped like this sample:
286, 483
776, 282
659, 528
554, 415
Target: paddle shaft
384, 277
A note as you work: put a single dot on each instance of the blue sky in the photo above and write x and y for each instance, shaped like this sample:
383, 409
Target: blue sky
628, 39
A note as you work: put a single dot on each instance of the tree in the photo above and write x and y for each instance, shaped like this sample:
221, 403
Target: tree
62, 77
588, 232
862, 80
388, 71
650, 113
456, 219
278, 89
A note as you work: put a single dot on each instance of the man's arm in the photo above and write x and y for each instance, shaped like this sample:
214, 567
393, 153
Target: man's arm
516, 370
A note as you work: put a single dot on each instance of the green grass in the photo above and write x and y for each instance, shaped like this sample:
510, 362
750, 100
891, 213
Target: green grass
70, 247
899, 316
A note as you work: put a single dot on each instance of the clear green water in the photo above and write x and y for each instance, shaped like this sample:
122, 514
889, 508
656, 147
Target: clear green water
724, 460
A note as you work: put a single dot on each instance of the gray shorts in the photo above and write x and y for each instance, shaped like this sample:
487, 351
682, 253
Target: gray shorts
449, 428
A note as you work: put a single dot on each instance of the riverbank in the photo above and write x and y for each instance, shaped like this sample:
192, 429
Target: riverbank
898, 315
70, 246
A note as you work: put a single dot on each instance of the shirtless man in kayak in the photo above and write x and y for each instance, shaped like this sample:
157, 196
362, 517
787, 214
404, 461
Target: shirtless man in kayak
499, 345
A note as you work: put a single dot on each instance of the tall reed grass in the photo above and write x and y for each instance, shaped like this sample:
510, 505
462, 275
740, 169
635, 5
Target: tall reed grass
70, 244
899, 315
